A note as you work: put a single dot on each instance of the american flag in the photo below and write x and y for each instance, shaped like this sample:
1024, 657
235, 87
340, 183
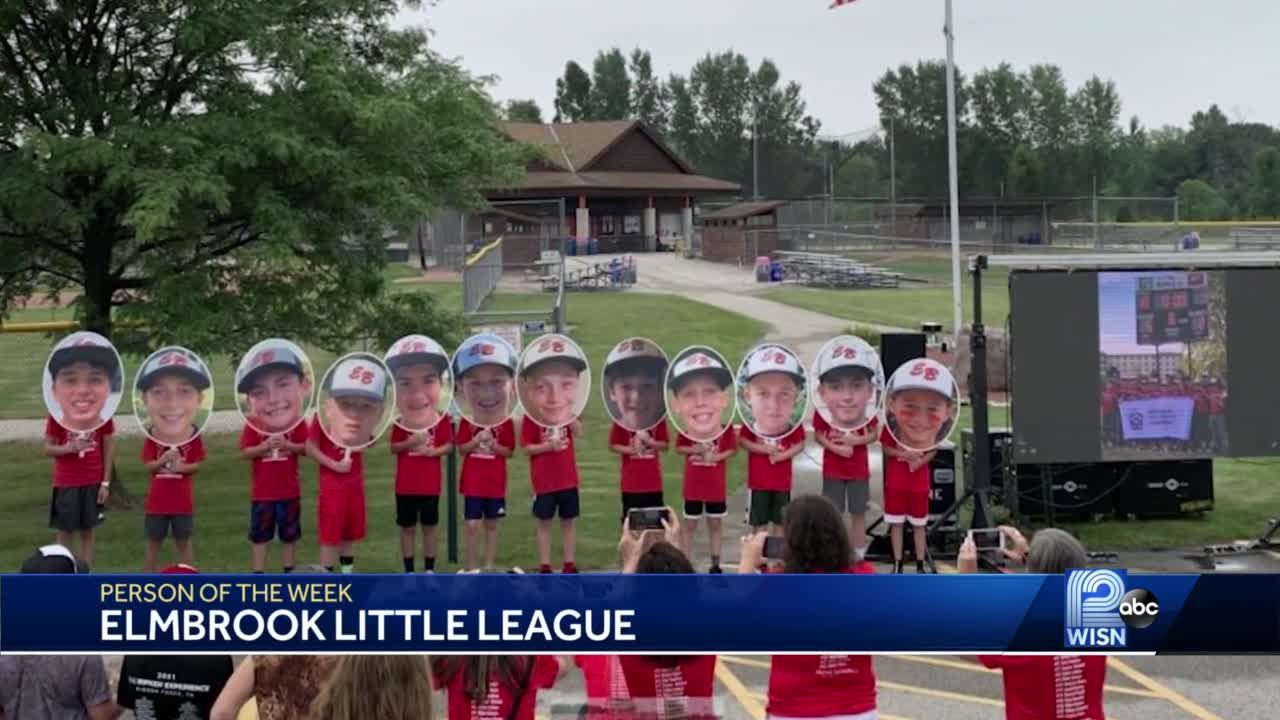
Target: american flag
837, 3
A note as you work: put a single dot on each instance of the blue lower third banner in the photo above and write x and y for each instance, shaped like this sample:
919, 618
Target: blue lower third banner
1104, 611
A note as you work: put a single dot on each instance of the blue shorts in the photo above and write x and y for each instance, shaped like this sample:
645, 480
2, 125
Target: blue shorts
483, 508
563, 502
269, 518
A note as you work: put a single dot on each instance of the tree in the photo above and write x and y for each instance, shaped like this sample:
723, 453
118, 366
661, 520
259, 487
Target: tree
610, 87
524, 111
1096, 108
915, 98
1051, 127
1264, 196
649, 98
859, 176
573, 94
1197, 200
683, 131
1000, 102
216, 173
1026, 173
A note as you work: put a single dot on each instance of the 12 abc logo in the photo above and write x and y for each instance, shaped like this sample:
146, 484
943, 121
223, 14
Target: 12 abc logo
1099, 611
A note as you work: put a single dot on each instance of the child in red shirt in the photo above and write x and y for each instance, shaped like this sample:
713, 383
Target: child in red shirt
480, 687
484, 484
773, 391
641, 468
170, 506
705, 491
81, 482
553, 472
275, 496
769, 474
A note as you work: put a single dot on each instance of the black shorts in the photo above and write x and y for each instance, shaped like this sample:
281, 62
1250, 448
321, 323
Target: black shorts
694, 509
414, 510
158, 527
74, 508
484, 508
562, 502
631, 501
269, 518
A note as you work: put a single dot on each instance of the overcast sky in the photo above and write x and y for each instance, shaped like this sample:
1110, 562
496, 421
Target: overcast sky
1167, 57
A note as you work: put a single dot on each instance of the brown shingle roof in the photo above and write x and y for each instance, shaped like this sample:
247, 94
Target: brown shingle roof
626, 181
745, 210
572, 146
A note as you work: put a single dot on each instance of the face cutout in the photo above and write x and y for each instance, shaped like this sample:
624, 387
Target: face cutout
275, 386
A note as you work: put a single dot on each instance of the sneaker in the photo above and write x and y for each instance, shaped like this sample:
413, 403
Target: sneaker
570, 571
897, 567
715, 570
920, 568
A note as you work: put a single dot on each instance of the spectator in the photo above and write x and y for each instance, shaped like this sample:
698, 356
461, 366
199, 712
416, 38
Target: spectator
55, 687
284, 685
386, 687
812, 686
1045, 687
495, 686
172, 687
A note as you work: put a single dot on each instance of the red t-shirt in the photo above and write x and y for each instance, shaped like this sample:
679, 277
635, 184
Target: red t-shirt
1217, 402
603, 678
706, 482
417, 474
897, 473
549, 471
170, 493
329, 478
641, 473
1051, 687
691, 677
78, 469
275, 475
835, 467
496, 705
822, 685
484, 474
765, 475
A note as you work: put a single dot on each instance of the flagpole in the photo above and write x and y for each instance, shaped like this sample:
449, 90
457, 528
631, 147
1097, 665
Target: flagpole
958, 305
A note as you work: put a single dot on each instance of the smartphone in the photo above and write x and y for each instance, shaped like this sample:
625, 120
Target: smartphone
774, 547
987, 539
647, 518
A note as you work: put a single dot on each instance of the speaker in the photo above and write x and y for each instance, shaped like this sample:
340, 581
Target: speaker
1163, 488
1082, 490
942, 488
999, 448
897, 349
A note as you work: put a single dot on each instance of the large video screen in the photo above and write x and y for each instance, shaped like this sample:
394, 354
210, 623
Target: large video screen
1144, 365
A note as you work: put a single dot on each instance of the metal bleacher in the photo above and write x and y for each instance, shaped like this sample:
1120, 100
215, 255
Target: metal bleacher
834, 271
1255, 238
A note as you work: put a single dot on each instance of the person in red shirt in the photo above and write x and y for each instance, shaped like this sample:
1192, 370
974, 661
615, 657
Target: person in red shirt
1048, 687
907, 484
641, 468
553, 472
81, 482
814, 686
275, 495
496, 687
419, 438
170, 505
705, 491
769, 474
484, 484
846, 473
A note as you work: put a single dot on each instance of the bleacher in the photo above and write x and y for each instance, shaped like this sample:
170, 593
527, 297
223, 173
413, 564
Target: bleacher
1255, 238
834, 271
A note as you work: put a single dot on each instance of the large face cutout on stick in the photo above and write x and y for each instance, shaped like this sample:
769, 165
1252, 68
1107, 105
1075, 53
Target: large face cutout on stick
700, 397
357, 400
83, 381
632, 384
173, 396
771, 391
921, 404
555, 382
484, 380
275, 386
424, 386
848, 383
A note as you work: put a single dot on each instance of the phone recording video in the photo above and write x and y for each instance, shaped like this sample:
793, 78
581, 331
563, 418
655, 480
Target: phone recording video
641, 519
774, 547
986, 539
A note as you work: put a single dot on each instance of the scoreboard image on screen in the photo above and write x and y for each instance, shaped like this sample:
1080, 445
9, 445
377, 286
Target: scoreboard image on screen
1172, 309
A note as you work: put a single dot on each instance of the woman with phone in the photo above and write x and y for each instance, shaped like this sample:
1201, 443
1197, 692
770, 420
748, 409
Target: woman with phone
1034, 687
814, 540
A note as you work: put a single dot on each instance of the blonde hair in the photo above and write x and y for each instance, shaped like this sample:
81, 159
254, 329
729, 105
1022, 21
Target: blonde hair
387, 687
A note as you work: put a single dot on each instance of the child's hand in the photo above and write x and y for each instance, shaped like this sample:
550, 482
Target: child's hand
344, 465
171, 457
275, 442
484, 436
104, 492
421, 438
79, 443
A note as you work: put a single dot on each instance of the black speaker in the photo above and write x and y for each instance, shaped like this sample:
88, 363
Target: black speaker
999, 447
897, 349
1082, 490
1169, 487
942, 492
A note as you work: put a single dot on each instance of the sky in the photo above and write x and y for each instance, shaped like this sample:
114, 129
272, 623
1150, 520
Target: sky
1168, 58
1117, 314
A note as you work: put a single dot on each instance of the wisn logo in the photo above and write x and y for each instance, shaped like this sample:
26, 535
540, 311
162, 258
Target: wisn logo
1099, 612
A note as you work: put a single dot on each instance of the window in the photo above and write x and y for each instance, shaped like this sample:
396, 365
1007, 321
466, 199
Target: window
488, 228
607, 225
631, 225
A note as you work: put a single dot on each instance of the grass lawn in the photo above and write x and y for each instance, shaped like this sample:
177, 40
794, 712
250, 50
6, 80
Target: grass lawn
599, 321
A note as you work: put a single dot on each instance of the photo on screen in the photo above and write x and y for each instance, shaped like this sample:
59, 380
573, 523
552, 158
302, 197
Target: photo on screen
1162, 341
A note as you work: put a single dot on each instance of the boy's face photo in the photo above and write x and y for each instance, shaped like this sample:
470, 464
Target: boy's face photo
351, 420
418, 390
171, 404
699, 406
549, 392
772, 398
846, 395
81, 390
278, 399
485, 395
920, 416
638, 398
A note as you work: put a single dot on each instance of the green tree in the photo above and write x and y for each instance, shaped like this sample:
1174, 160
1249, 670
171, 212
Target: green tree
859, 176
1052, 130
915, 97
650, 102
683, 130
1026, 173
524, 111
1197, 200
220, 172
610, 87
573, 94
1000, 103
1096, 108
1264, 196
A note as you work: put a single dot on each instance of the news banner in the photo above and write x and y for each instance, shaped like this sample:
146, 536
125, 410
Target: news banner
1088, 611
